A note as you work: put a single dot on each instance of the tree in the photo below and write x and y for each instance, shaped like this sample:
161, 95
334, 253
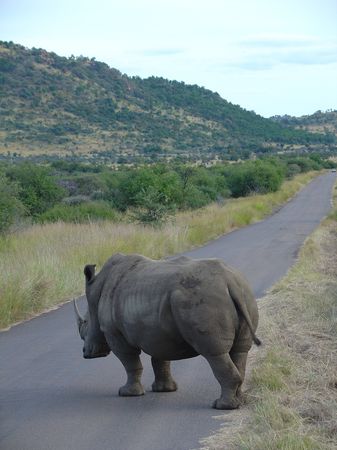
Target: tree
255, 177
134, 186
154, 209
38, 189
10, 206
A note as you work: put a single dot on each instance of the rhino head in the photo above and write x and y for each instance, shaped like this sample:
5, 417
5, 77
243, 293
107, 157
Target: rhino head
95, 345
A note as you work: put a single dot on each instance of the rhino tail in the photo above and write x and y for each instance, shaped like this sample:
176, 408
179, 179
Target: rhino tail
244, 311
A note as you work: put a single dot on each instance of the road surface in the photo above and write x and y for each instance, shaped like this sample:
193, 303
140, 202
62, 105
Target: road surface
53, 399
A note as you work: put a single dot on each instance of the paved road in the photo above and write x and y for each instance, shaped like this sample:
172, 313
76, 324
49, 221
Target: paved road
51, 398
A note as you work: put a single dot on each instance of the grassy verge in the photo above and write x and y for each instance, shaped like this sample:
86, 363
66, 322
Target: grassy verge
292, 394
42, 265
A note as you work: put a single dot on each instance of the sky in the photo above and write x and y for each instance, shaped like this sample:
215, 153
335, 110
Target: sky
270, 56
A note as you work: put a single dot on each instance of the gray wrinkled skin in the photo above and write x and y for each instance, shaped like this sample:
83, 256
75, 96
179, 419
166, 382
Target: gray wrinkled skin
170, 309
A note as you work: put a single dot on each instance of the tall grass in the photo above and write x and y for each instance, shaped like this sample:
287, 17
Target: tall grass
295, 381
42, 265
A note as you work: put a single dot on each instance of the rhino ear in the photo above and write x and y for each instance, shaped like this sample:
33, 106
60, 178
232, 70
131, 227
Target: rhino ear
89, 272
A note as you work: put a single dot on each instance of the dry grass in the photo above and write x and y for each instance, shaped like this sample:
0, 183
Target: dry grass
42, 266
292, 384
297, 374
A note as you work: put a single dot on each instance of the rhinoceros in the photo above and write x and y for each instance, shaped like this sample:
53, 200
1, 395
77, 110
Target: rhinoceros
170, 309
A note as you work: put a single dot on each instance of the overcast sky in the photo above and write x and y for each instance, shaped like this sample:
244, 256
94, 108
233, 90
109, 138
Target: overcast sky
270, 56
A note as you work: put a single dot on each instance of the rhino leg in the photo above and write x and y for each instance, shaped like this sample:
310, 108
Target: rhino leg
129, 357
229, 378
134, 370
240, 360
163, 379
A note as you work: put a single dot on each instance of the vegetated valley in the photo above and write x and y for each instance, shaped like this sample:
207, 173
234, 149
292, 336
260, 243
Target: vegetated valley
67, 124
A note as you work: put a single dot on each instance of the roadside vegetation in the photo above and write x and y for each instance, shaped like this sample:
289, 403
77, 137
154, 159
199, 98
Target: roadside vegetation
85, 193
292, 381
41, 265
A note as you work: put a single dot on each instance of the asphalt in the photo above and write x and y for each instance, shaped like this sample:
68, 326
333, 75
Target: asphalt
52, 399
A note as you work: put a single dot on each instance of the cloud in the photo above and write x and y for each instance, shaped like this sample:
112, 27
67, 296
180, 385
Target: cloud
253, 64
314, 56
277, 41
161, 52
266, 52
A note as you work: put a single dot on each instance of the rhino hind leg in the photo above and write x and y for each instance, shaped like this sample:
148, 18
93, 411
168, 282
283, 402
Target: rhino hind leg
240, 360
229, 378
163, 379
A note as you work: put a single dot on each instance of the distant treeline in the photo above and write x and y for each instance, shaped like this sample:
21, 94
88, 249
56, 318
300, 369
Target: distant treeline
325, 118
77, 192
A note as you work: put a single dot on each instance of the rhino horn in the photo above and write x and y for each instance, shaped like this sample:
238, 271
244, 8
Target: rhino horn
79, 318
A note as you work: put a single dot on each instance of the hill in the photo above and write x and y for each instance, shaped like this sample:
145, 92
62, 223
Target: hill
79, 106
319, 122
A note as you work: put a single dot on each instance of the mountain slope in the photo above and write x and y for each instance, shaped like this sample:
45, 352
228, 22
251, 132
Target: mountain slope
78, 105
319, 122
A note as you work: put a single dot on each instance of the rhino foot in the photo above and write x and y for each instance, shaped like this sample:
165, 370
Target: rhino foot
221, 403
131, 390
164, 386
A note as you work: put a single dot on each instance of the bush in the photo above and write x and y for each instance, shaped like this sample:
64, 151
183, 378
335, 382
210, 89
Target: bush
10, 206
38, 189
136, 187
154, 207
194, 198
255, 177
76, 200
79, 213
87, 183
302, 165
292, 170
206, 186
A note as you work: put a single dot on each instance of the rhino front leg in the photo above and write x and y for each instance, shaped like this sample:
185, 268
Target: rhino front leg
134, 370
163, 379
229, 379
129, 357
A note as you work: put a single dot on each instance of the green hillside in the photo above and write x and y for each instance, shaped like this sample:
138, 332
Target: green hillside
79, 106
319, 122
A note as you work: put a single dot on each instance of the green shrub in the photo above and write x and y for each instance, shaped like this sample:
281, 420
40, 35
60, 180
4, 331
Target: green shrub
10, 206
258, 177
76, 200
136, 187
87, 183
38, 191
79, 213
194, 198
154, 208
